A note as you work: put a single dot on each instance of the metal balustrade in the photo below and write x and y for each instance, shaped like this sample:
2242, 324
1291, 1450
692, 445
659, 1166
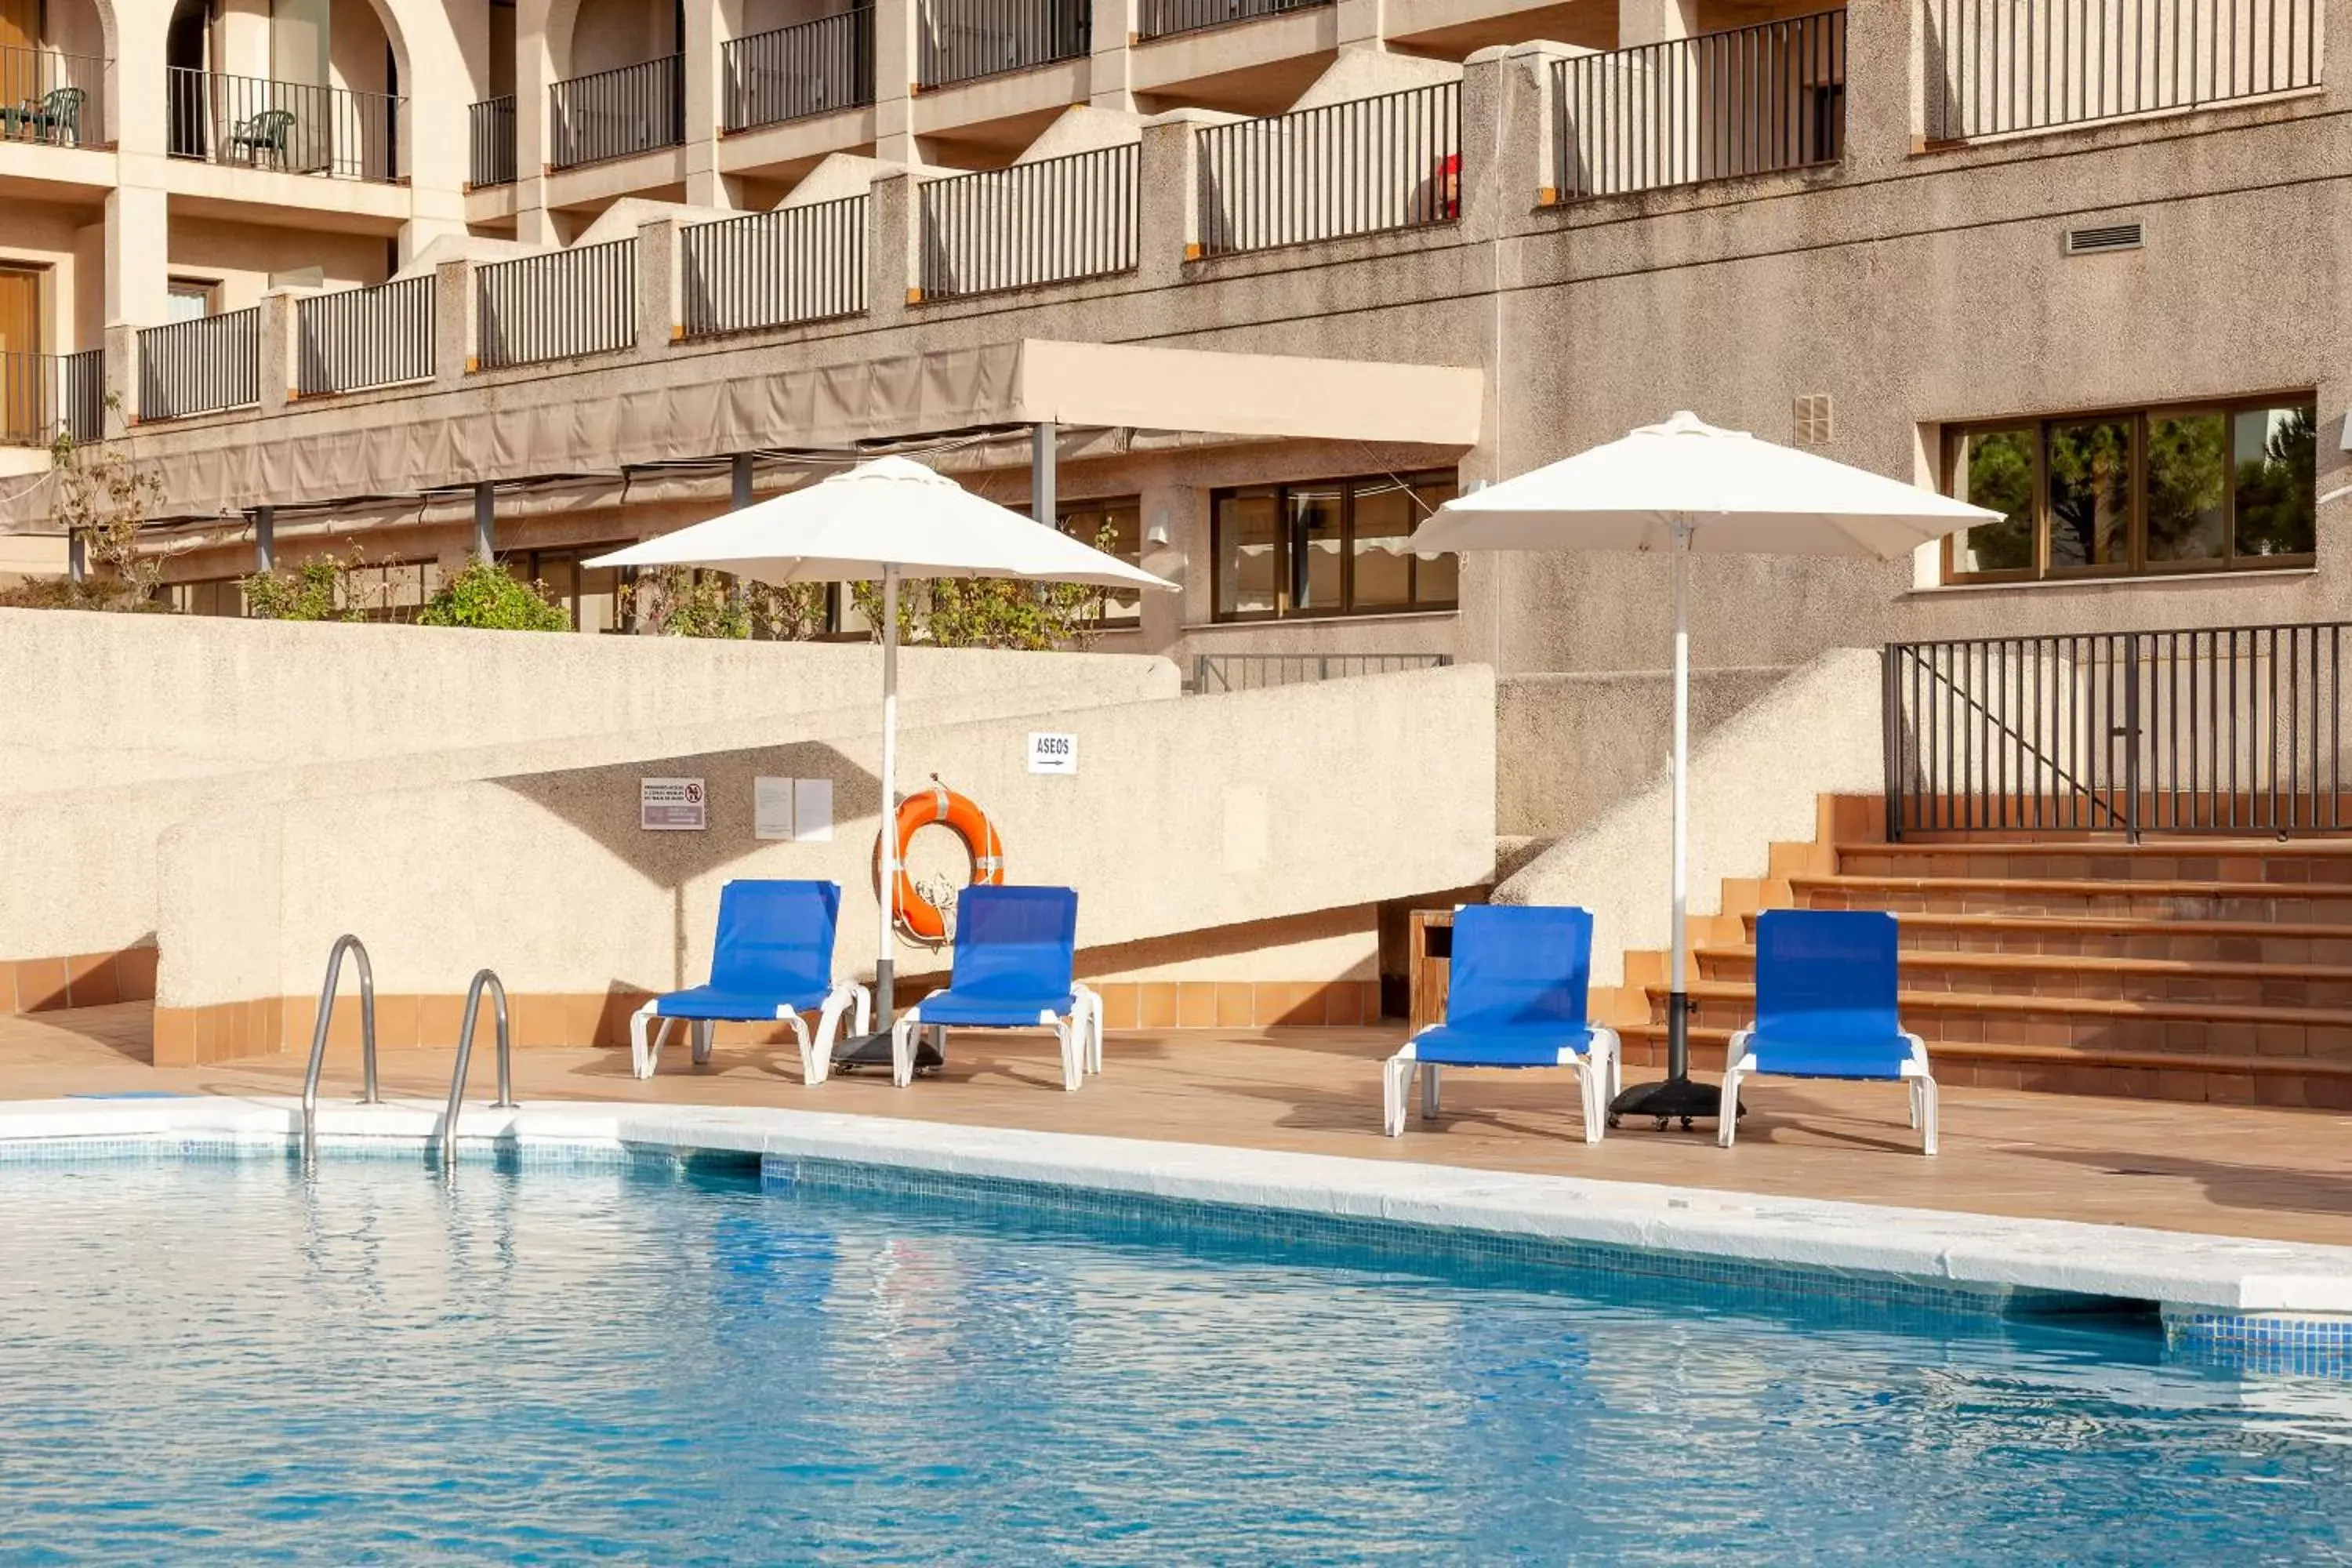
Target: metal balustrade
618, 112
962, 39
1360, 167
52, 99
773, 269
1054, 221
557, 306
1743, 102
1220, 672
2207, 730
360, 338
1995, 67
43, 396
793, 72
287, 126
201, 367
1163, 18
490, 132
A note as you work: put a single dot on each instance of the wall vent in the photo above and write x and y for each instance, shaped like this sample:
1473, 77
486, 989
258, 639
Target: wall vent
2107, 237
1808, 421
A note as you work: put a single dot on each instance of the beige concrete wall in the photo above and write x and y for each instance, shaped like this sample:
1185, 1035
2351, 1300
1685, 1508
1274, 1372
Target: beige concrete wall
1759, 777
1185, 817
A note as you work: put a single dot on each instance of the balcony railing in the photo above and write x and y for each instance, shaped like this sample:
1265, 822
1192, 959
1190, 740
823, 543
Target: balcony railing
1162, 18
1745, 101
43, 396
56, 99
962, 39
1219, 672
1999, 66
793, 72
1361, 167
201, 367
557, 306
360, 338
490, 128
775, 269
615, 113
1052, 221
289, 126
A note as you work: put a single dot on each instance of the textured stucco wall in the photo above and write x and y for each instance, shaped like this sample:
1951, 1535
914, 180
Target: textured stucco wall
1186, 817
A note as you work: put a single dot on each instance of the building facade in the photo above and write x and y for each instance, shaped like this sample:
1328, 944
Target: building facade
402, 280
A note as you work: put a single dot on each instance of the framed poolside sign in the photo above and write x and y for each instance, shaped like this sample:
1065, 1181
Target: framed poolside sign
673, 805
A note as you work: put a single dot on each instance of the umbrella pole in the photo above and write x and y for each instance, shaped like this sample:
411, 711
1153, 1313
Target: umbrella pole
885, 998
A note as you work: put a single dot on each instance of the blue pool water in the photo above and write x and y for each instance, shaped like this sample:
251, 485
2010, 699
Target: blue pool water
225, 1362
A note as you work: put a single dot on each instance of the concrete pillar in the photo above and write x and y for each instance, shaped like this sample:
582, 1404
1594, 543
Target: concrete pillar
659, 318
121, 378
706, 32
536, 67
265, 539
1175, 533
1044, 438
1885, 94
1168, 223
1110, 81
1654, 21
895, 57
137, 256
453, 350
279, 365
1362, 24
486, 521
892, 275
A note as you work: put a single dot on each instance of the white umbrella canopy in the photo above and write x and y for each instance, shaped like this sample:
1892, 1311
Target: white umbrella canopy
885, 519
1688, 487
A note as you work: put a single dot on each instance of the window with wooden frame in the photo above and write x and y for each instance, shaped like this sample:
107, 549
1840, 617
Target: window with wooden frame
1328, 547
2202, 487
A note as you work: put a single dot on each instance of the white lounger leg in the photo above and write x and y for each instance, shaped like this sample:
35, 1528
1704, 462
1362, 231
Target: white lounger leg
645, 1038
1396, 1079
1090, 1018
1737, 1063
1922, 1084
704, 1031
1928, 1116
801, 1038
1069, 1032
902, 1049
1429, 1090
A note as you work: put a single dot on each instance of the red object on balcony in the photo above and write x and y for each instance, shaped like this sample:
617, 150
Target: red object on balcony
1449, 187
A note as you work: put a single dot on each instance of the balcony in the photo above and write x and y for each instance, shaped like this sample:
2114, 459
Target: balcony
290, 127
204, 366
1748, 100
561, 305
43, 396
1997, 67
490, 131
774, 269
52, 99
1054, 221
617, 114
794, 72
358, 338
963, 40
1167, 18
1361, 167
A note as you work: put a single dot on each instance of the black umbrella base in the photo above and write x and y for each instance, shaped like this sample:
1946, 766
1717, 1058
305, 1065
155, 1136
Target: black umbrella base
860, 1051
1682, 1099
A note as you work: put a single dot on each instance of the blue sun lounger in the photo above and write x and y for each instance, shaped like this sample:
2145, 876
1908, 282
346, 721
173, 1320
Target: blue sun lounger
1516, 998
1825, 988
1015, 949
772, 962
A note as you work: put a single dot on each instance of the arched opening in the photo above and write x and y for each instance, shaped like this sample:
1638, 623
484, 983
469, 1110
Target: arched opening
187, 60
53, 72
306, 87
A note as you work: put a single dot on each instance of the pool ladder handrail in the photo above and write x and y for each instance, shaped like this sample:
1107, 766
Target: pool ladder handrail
506, 1099
347, 943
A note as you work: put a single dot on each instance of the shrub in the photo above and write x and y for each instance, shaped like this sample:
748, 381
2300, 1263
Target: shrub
318, 590
485, 596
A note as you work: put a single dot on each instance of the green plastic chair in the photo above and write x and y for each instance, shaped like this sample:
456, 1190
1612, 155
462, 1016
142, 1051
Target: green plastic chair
270, 132
58, 118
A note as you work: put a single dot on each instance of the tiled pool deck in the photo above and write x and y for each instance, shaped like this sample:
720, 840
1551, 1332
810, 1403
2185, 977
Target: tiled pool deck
2281, 1175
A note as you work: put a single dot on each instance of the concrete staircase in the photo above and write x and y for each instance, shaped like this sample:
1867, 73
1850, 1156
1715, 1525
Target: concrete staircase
2203, 969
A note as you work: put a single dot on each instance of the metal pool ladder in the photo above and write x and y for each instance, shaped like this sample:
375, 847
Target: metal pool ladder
506, 1099
346, 943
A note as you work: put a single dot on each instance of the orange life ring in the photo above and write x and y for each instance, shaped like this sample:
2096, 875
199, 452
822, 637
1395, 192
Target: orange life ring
918, 918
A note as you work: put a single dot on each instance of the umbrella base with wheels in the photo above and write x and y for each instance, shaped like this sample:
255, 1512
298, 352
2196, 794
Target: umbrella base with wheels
1675, 1098
874, 1051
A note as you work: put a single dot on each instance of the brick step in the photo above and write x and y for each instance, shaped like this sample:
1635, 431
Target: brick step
2186, 1027
2245, 941
2155, 979
2213, 1077
2152, 900
2325, 861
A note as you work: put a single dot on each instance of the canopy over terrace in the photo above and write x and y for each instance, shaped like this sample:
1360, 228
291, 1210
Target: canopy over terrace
579, 421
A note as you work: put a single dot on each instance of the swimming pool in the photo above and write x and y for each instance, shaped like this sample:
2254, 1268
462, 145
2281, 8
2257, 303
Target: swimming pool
226, 1359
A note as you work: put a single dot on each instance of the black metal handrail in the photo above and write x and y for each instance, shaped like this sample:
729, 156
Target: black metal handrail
964, 39
359, 338
812, 68
1220, 672
202, 366
1052, 221
54, 98
491, 139
618, 112
291, 127
557, 306
1743, 102
1164, 19
43, 396
1360, 167
2199, 729
1995, 67
774, 269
